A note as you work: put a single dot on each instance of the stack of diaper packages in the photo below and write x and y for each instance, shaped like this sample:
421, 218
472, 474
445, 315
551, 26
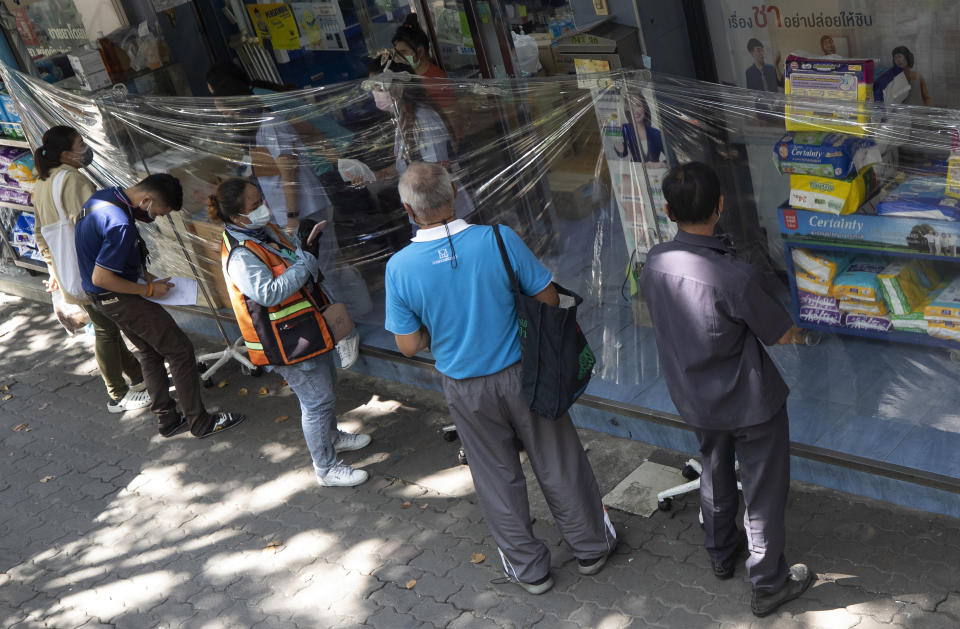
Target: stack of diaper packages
829, 172
943, 312
857, 290
814, 272
906, 286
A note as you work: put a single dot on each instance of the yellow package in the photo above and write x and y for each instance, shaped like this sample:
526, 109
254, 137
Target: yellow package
945, 306
811, 283
953, 176
871, 308
829, 80
944, 329
834, 196
901, 287
823, 265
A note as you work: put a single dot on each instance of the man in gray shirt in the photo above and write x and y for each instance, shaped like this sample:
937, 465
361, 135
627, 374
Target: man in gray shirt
712, 315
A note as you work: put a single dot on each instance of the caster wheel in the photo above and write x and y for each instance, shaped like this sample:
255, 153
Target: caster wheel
449, 435
665, 505
689, 473
462, 457
207, 383
811, 339
955, 356
256, 372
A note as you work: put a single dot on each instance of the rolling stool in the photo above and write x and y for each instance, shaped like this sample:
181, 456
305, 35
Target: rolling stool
691, 471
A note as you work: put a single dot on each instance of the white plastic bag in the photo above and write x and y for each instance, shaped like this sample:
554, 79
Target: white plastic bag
60, 239
355, 171
528, 54
72, 317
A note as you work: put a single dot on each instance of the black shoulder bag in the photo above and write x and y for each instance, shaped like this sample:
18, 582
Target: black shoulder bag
557, 361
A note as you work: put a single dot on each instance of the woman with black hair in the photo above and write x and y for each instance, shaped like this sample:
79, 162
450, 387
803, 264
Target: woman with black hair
411, 46
62, 190
903, 59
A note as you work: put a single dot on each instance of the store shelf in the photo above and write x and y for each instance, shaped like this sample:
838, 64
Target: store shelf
32, 265
5, 141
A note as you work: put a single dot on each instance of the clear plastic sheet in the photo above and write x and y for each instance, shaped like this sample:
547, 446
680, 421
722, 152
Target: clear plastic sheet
574, 164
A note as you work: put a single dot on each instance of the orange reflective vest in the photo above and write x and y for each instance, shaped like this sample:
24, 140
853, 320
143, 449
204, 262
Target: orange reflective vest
288, 333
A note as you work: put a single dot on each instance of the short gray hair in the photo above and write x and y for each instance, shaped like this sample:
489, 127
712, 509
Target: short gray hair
426, 189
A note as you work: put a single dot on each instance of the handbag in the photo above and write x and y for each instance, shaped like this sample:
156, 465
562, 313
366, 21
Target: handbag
60, 240
557, 361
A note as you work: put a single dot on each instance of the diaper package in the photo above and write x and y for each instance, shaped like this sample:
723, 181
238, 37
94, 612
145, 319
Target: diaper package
820, 302
822, 154
834, 196
873, 308
814, 79
945, 306
944, 330
823, 265
859, 280
914, 320
811, 284
901, 286
867, 322
22, 171
821, 316
921, 198
9, 154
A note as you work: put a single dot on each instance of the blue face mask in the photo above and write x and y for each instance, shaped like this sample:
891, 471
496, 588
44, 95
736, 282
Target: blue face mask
259, 217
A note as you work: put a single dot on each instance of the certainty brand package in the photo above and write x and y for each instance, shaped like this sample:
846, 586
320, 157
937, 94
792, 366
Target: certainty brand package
828, 80
811, 283
867, 322
822, 154
901, 286
821, 316
9, 154
944, 329
820, 302
921, 197
834, 196
945, 306
872, 308
823, 265
859, 281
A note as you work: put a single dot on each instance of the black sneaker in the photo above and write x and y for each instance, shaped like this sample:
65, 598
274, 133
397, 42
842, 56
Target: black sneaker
724, 570
221, 422
765, 603
174, 428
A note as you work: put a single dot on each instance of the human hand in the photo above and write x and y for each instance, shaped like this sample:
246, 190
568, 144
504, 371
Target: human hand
160, 287
52, 284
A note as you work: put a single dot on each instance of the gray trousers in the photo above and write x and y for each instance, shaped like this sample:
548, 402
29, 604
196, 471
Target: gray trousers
490, 412
764, 454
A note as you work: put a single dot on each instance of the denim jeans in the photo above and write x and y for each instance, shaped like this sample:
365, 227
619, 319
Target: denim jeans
313, 382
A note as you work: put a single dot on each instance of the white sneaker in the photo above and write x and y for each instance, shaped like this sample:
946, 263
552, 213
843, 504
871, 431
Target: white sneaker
132, 401
140, 386
349, 350
347, 441
341, 475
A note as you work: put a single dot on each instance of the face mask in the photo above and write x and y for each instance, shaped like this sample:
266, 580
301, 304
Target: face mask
411, 60
383, 100
259, 217
148, 208
85, 157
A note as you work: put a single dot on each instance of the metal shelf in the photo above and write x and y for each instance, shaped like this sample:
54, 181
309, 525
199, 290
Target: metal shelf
5, 141
32, 265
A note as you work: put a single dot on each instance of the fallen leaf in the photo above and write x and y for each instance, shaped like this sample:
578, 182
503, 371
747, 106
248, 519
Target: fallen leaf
273, 548
44, 405
47, 479
477, 558
405, 505
222, 384
262, 391
7, 397
242, 391
280, 419
283, 383
20, 427
4, 388
424, 506
411, 583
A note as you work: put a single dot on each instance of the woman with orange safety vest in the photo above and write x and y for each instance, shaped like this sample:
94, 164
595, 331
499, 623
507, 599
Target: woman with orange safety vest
275, 291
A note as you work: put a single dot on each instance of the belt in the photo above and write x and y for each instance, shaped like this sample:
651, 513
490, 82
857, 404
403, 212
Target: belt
101, 297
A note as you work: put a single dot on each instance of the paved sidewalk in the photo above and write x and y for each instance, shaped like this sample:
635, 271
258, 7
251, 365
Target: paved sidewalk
104, 523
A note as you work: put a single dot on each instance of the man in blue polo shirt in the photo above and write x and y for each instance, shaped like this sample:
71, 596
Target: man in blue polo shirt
112, 258
448, 291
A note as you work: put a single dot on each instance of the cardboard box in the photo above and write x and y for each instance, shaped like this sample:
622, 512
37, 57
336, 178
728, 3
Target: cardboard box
90, 70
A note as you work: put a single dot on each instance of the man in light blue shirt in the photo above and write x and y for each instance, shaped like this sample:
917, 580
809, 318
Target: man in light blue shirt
448, 291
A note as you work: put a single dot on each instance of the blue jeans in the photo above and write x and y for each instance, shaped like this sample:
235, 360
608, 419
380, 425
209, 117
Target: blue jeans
313, 382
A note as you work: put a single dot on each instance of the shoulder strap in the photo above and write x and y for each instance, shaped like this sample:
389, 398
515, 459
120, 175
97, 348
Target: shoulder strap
57, 192
506, 260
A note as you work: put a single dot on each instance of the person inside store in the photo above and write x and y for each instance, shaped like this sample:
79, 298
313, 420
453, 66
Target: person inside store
443, 293
268, 275
712, 314
61, 191
919, 94
762, 75
649, 138
827, 45
421, 132
411, 46
291, 169
113, 260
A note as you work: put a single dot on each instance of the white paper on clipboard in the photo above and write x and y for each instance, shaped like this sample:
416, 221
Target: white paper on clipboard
182, 293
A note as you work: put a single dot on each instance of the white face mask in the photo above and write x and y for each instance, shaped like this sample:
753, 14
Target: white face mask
383, 100
259, 217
